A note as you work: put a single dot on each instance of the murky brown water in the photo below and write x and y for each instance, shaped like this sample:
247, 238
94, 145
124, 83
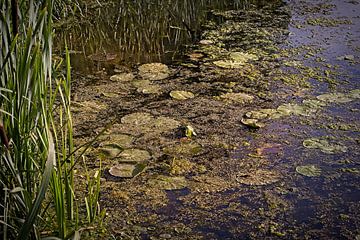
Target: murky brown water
254, 185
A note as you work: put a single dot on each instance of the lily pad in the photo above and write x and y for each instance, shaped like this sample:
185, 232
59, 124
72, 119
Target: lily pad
110, 151
165, 124
139, 118
258, 177
237, 97
309, 170
154, 71
334, 98
150, 89
355, 93
134, 155
288, 109
237, 60
260, 114
324, 145
168, 183
181, 95
122, 77
127, 170
253, 123
120, 140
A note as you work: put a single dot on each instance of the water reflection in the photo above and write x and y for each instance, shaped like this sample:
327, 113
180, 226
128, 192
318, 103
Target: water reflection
128, 31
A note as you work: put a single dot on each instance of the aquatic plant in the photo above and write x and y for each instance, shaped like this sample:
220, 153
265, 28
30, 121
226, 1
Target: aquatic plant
37, 164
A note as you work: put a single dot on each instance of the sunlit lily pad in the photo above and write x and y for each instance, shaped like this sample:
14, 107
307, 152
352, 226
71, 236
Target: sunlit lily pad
236, 60
308, 170
134, 155
258, 177
122, 77
260, 114
237, 97
127, 170
181, 95
154, 71
168, 183
288, 109
335, 98
355, 93
324, 145
165, 124
253, 123
314, 104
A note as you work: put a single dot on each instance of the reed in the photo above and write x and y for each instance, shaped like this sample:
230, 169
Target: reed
37, 155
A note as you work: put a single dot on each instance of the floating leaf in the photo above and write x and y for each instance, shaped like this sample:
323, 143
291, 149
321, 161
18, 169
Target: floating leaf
122, 77
308, 170
139, 118
127, 170
237, 97
134, 155
334, 98
154, 71
181, 95
324, 145
110, 150
237, 60
253, 123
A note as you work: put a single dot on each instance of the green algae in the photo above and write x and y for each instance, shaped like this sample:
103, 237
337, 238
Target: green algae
327, 22
181, 95
308, 170
154, 71
236, 60
237, 97
324, 145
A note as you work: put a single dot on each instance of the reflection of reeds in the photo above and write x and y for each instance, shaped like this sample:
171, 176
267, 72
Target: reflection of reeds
139, 30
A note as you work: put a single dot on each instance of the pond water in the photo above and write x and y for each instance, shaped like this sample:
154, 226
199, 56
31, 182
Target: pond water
271, 89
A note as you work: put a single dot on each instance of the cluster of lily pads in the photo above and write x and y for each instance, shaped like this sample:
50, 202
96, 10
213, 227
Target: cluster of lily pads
254, 119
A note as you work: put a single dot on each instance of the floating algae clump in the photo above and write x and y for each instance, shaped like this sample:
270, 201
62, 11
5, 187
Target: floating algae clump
154, 71
308, 170
236, 60
237, 97
181, 95
324, 145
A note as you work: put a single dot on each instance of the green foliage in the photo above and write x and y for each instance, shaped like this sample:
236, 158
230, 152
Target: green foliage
35, 117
